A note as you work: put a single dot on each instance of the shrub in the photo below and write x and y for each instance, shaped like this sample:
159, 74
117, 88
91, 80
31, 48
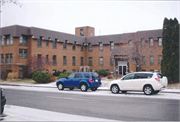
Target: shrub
31, 74
63, 75
41, 77
102, 72
52, 79
57, 73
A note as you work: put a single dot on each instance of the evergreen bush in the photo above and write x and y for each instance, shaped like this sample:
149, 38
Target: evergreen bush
102, 72
63, 75
41, 77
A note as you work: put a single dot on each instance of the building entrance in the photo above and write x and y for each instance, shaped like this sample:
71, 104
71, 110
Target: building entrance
122, 67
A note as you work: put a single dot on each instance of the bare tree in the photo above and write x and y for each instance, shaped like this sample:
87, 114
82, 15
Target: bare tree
34, 63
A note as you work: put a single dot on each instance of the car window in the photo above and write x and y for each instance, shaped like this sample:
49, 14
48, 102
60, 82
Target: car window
95, 75
142, 76
128, 77
86, 75
71, 75
79, 75
159, 75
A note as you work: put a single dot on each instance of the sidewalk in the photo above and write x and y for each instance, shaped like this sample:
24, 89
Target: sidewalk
53, 85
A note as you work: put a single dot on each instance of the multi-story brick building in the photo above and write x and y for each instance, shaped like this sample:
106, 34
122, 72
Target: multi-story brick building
20, 45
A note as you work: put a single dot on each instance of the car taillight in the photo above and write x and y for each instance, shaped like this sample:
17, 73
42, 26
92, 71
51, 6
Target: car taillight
90, 80
157, 79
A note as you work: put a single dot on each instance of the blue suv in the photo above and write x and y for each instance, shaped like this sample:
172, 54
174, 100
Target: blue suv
81, 80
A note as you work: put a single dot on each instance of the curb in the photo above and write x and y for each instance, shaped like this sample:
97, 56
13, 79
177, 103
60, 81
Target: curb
7, 84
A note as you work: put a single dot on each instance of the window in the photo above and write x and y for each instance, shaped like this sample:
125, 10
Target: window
71, 76
160, 41
47, 43
82, 63
82, 32
47, 71
54, 43
78, 75
73, 70
151, 70
74, 46
64, 60
64, 44
86, 75
2, 58
54, 59
90, 61
40, 42
111, 61
159, 59
142, 42
142, 76
54, 71
130, 43
101, 61
151, 42
22, 53
95, 75
100, 46
2, 41
64, 70
73, 61
47, 59
82, 47
111, 45
23, 40
129, 77
39, 58
143, 60
9, 40
151, 59
90, 47
20, 71
9, 58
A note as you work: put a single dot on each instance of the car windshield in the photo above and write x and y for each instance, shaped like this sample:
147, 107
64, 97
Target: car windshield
95, 75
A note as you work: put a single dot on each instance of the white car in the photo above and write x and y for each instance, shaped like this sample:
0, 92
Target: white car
148, 82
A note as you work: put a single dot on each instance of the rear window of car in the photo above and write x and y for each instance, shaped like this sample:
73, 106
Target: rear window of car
159, 75
142, 75
86, 75
95, 75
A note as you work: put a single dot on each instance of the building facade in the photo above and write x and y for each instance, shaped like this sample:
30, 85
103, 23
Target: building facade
26, 49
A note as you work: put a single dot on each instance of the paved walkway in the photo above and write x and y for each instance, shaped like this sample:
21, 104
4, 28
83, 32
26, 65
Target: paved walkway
53, 85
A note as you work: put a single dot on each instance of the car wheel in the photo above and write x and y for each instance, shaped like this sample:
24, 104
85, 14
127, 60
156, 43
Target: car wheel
93, 89
83, 87
2, 109
123, 91
60, 86
155, 92
148, 90
71, 88
114, 89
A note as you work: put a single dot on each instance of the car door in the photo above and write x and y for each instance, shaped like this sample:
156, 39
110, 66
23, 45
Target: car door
77, 78
127, 82
68, 80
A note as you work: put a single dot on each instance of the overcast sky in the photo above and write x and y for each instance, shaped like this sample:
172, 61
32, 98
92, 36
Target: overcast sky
106, 17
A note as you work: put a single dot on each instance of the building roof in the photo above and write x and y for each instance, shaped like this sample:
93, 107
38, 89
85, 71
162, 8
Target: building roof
17, 31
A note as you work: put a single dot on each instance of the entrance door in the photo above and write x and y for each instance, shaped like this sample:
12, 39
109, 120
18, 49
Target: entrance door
122, 70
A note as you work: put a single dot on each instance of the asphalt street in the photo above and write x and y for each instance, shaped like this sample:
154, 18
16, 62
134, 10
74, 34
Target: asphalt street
100, 106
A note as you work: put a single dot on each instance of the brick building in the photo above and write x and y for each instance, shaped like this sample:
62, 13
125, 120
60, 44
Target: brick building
22, 45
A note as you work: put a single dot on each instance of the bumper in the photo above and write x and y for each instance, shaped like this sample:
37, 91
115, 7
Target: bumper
94, 85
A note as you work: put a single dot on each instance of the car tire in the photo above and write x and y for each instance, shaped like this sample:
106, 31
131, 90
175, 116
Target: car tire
2, 109
93, 89
83, 87
155, 92
71, 88
60, 86
114, 89
123, 91
148, 90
